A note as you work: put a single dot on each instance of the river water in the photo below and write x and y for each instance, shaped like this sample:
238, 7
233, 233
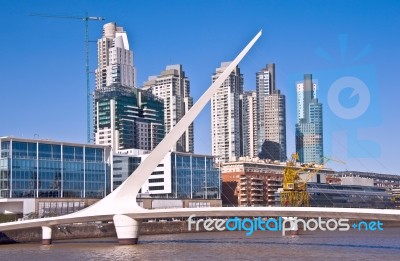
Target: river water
317, 245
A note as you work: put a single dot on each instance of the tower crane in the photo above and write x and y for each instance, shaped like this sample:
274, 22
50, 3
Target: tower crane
86, 19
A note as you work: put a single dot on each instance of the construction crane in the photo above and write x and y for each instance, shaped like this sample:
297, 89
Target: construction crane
396, 201
86, 19
295, 188
291, 195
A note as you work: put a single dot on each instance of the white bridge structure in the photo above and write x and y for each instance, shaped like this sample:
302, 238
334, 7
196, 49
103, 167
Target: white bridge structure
121, 207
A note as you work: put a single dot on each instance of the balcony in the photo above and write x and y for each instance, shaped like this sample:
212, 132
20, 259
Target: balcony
274, 184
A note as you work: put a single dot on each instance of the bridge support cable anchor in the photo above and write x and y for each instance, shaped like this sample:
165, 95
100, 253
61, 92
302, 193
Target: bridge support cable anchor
46, 235
127, 229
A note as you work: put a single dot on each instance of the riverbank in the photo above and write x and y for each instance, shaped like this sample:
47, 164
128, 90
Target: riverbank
92, 230
103, 230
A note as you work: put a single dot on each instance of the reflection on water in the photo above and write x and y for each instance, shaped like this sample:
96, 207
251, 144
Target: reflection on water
352, 245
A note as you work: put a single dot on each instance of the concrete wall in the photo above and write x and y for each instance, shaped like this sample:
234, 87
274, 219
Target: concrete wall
101, 230
172, 203
16, 206
11, 207
150, 203
31, 205
316, 178
360, 181
59, 233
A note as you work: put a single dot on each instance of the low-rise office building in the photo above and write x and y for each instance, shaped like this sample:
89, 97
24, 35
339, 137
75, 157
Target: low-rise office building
351, 192
178, 176
386, 181
348, 196
35, 169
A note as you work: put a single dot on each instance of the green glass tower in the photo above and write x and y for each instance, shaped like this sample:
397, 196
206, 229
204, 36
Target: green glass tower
127, 117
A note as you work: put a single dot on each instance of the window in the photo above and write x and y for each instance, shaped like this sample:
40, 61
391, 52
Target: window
156, 188
155, 180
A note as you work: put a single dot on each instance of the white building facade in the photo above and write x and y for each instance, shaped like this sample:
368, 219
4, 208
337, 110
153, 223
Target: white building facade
227, 142
124, 116
249, 126
115, 59
173, 87
271, 116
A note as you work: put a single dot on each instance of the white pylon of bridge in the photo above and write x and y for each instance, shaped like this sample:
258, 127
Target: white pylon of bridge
123, 199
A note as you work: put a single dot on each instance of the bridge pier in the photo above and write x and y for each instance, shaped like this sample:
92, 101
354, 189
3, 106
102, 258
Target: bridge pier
127, 229
46, 235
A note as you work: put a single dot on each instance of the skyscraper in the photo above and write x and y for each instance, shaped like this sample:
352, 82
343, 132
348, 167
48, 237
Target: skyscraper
226, 120
173, 87
115, 59
127, 118
271, 116
309, 127
249, 124
124, 117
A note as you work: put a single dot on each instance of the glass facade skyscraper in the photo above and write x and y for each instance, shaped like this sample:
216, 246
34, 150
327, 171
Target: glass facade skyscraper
49, 169
309, 127
127, 117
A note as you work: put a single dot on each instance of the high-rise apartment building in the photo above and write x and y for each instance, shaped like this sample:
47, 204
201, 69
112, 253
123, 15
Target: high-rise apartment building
271, 116
249, 124
226, 121
173, 87
309, 127
115, 59
124, 116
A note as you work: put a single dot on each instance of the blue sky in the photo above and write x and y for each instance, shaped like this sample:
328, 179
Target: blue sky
42, 88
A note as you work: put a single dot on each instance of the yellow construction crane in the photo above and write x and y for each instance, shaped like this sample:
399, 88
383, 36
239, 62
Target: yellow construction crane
291, 195
395, 199
294, 192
